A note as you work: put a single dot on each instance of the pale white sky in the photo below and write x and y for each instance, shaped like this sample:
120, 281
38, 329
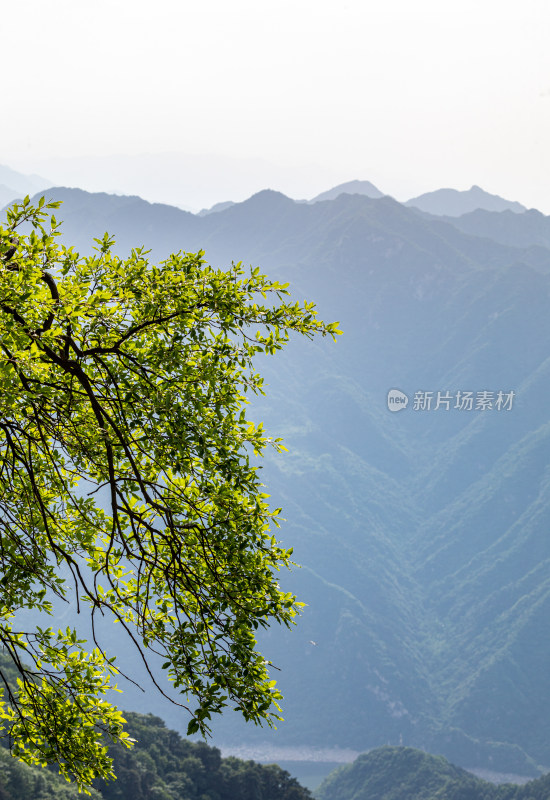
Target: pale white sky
410, 95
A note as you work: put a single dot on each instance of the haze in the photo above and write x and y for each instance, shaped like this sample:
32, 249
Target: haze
225, 99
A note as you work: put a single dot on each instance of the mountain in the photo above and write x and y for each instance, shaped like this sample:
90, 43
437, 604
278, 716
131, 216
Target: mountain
401, 773
530, 229
15, 184
7, 194
215, 208
185, 180
351, 187
423, 534
453, 203
164, 765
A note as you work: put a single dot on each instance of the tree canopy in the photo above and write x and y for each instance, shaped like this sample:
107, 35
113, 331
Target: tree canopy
128, 380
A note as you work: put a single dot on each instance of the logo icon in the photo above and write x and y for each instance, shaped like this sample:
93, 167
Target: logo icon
397, 400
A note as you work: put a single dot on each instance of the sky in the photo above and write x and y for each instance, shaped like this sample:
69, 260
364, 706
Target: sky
198, 102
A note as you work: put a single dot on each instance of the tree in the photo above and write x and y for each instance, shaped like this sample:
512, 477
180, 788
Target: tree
127, 378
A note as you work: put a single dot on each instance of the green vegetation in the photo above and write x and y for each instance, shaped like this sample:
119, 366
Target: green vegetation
19, 781
401, 773
125, 463
162, 765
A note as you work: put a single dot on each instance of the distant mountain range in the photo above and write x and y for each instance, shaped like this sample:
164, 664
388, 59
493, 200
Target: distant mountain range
423, 534
365, 188
443, 202
15, 184
452, 203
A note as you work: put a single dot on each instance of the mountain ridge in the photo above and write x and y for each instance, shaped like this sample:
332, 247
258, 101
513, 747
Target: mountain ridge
455, 203
350, 187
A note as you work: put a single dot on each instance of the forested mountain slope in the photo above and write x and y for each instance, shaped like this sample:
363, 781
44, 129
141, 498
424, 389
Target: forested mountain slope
162, 765
401, 773
423, 534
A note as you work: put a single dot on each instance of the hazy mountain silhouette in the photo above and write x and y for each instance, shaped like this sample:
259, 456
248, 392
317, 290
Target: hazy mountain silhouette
351, 187
15, 184
186, 180
453, 203
216, 207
